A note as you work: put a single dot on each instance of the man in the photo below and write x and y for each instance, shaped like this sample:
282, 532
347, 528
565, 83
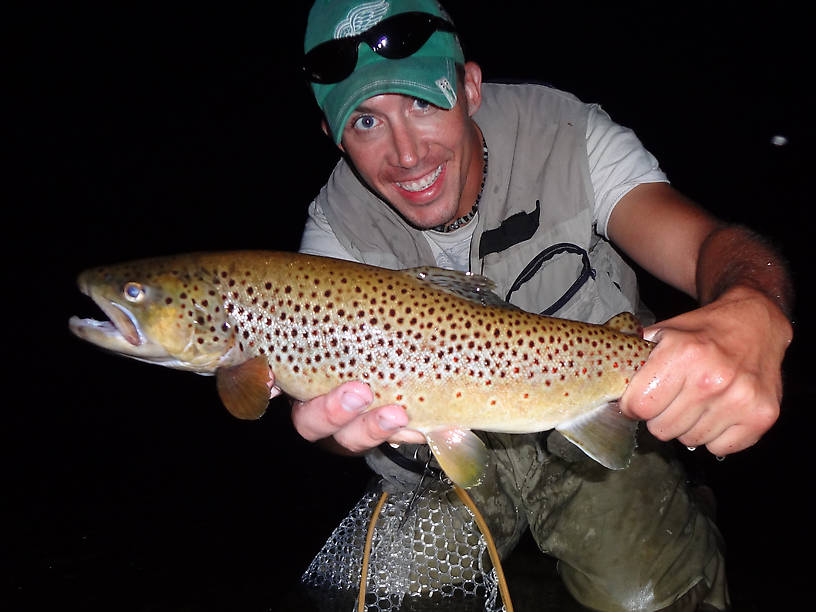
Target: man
530, 187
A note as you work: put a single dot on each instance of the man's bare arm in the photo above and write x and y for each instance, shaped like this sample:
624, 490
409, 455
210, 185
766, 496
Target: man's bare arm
715, 377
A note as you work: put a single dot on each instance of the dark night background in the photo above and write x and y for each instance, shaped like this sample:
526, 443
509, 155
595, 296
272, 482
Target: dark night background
153, 130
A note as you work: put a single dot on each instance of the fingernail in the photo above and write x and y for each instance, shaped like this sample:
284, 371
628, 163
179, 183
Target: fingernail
652, 334
352, 402
389, 421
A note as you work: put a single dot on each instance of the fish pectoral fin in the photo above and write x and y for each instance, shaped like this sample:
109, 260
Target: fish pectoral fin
626, 323
460, 453
244, 388
604, 434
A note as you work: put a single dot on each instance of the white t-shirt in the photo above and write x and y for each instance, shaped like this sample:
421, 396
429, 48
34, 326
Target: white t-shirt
618, 162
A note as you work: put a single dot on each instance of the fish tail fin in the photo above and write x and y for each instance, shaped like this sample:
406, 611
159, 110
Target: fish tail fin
604, 434
460, 453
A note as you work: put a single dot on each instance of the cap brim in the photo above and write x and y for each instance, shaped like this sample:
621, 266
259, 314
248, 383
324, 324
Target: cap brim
429, 78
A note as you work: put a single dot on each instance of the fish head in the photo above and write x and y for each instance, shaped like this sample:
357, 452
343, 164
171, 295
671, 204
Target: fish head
159, 312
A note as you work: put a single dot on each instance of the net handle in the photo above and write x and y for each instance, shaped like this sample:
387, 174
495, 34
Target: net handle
480, 522
491, 546
367, 552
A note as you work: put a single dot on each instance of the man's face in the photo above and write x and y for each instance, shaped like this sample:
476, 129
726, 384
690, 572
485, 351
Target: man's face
425, 161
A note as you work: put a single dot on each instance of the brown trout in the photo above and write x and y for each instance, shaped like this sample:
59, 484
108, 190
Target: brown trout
438, 342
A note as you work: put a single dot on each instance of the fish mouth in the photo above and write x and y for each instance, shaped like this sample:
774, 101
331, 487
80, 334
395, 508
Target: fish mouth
121, 333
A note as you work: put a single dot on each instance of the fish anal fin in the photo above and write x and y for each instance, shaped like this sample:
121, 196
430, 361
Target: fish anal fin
604, 434
626, 323
460, 453
244, 388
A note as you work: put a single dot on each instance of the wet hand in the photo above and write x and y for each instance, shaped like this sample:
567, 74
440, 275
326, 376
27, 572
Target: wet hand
714, 378
341, 417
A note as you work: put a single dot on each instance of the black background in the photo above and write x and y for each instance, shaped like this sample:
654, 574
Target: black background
149, 130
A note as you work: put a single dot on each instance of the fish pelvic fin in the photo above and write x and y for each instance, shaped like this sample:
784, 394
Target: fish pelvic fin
626, 323
604, 434
244, 388
461, 454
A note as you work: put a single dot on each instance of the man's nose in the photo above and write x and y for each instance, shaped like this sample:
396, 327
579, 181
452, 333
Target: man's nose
408, 148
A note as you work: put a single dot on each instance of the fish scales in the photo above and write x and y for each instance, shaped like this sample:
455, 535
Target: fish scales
319, 322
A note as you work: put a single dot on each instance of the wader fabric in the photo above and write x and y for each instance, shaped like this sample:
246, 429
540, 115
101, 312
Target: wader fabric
625, 540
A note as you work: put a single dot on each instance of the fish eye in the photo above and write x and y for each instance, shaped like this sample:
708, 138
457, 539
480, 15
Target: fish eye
134, 292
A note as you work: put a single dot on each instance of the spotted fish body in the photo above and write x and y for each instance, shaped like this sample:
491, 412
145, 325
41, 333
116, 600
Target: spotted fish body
438, 342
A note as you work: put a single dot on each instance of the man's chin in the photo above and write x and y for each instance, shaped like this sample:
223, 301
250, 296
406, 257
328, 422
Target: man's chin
424, 216
423, 222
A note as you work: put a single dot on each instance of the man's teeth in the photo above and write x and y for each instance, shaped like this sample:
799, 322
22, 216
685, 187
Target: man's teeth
423, 183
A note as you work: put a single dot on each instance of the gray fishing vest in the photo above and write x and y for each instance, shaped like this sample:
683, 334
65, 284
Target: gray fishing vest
535, 236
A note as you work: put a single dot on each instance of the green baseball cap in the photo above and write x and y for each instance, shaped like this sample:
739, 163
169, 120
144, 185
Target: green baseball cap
429, 73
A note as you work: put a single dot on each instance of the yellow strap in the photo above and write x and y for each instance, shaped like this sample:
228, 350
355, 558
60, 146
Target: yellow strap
367, 552
491, 546
480, 522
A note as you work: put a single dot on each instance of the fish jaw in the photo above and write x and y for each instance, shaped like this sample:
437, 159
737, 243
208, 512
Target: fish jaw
147, 331
123, 335
109, 336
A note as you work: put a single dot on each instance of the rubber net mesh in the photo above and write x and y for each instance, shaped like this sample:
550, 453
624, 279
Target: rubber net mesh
430, 558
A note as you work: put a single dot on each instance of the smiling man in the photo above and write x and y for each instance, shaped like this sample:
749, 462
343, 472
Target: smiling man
531, 187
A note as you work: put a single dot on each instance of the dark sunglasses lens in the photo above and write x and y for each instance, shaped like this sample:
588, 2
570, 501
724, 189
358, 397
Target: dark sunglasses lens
330, 62
401, 35
394, 38
400, 44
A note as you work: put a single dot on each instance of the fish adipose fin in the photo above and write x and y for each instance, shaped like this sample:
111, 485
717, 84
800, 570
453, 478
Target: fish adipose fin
244, 389
625, 323
604, 434
461, 454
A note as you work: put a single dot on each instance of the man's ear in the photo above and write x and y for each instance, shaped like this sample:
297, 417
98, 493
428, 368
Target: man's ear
473, 87
325, 127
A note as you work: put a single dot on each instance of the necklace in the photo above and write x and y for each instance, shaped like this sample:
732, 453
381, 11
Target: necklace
457, 223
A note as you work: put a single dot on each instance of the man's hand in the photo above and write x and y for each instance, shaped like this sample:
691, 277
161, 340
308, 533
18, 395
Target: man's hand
714, 378
341, 420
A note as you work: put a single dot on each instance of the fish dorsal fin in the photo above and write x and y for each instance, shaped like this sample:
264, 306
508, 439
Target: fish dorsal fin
244, 388
460, 453
473, 287
625, 323
604, 434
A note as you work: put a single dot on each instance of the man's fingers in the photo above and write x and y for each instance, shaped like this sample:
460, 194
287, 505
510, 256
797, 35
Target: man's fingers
372, 428
274, 391
653, 388
341, 414
733, 440
327, 414
675, 421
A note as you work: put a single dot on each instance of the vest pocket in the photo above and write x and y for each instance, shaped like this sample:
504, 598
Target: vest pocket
587, 272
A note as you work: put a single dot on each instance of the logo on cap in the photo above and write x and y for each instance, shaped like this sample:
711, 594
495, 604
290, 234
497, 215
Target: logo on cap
448, 90
361, 18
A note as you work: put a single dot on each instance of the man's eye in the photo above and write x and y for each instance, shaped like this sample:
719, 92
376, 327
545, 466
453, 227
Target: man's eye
422, 104
364, 122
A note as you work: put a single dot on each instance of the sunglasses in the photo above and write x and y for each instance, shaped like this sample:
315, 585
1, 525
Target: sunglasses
397, 37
